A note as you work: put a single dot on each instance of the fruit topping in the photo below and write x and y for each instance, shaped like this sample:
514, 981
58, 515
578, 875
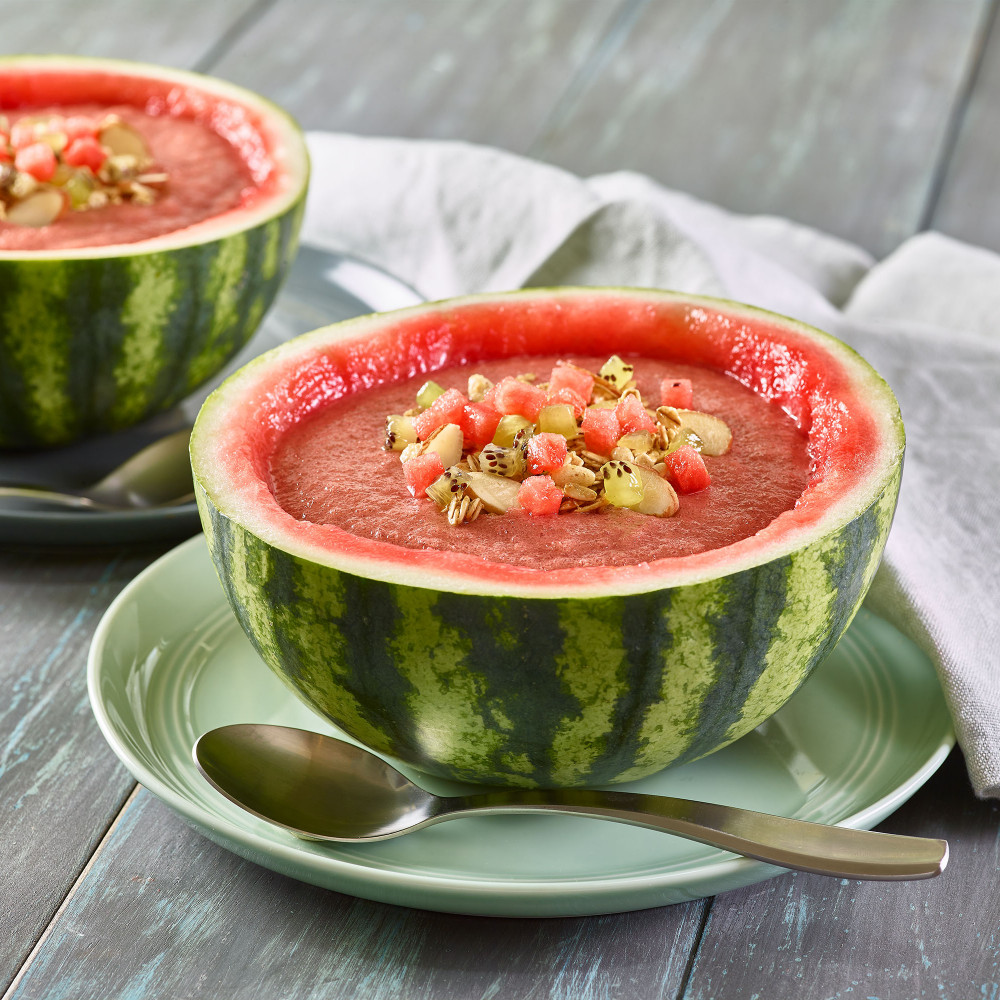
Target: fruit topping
511, 446
49, 165
399, 432
420, 471
539, 495
676, 392
622, 484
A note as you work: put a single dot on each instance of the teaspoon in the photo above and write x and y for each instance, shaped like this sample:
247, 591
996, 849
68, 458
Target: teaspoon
157, 476
324, 789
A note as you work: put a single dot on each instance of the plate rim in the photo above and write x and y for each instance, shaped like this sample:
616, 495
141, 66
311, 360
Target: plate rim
727, 867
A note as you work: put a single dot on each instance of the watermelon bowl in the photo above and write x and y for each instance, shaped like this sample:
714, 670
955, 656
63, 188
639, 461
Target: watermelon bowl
496, 674
102, 327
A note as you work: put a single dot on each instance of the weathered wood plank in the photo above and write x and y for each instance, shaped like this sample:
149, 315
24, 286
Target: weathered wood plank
179, 33
969, 202
60, 784
806, 936
832, 113
166, 913
480, 70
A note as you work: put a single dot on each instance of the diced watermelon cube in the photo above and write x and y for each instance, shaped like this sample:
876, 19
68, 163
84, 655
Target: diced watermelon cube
601, 430
421, 471
78, 127
579, 380
569, 397
539, 495
686, 470
38, 159
479, 423
676, 392
85, 152
546, 453
511, 395
22, 134
448, 408
632, 416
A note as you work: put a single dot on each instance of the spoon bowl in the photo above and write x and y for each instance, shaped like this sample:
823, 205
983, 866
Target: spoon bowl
157, 476
325, 789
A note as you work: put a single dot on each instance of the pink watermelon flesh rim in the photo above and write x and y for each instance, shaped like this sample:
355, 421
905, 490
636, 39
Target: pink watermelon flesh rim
269, 140
852, 421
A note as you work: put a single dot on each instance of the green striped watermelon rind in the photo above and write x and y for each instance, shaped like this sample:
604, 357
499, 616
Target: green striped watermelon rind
502, 675
97, 339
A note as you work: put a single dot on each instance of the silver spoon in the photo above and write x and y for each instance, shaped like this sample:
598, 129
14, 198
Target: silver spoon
325, 789
157, 476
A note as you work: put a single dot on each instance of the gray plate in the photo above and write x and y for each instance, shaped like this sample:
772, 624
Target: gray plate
321, 288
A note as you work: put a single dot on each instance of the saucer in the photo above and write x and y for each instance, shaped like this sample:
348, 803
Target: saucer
169, 662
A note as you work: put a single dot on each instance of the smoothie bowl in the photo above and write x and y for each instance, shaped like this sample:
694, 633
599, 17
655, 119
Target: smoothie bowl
657, 515
147, 219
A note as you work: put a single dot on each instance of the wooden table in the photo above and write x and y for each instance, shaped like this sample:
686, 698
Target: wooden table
872, 119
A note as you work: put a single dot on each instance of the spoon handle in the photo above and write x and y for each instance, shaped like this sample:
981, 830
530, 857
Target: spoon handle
50, 497
80, 502
778, 840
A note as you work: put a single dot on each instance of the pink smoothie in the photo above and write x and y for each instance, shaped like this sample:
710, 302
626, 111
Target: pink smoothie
332, 469
207, 176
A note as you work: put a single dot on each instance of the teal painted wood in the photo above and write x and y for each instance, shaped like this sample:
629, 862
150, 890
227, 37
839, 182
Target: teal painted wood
805, 936
166, 913
60, 784
181, 33
969, 198
831, 113
480, 70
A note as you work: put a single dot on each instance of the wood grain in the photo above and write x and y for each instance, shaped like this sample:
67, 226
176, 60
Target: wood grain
180, 33
806, 936
830, 113
60, 784
969, 202
196, 921
839, 113
479, 70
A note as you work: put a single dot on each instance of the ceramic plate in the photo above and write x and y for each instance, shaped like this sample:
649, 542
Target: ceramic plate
169, 662
321, 288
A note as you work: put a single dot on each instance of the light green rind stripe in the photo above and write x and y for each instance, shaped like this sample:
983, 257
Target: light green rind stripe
221, 288
434, 658
38, 342
800, 629
317, 599
271, 254
688, 674
248, 570
145, 317
593, 669
884, 511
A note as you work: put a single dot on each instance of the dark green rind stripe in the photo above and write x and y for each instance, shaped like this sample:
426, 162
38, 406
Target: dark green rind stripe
542, 692
88, 346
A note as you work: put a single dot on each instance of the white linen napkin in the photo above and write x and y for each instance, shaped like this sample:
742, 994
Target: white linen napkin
452, 218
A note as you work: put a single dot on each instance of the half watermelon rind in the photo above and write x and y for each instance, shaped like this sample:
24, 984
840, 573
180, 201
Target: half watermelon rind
499, 674
95, 339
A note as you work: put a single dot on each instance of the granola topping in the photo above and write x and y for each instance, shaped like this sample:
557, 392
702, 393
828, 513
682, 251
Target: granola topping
51, 165
579, 443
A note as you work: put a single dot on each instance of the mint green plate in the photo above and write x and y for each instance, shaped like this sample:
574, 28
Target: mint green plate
169, 662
